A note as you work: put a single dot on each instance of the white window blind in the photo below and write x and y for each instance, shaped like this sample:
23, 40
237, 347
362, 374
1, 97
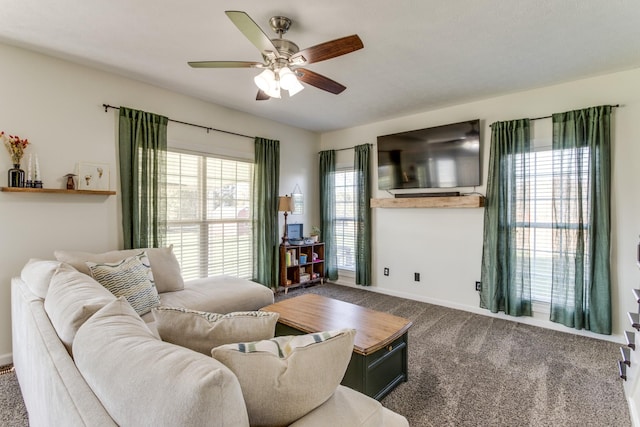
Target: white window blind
208, 215
345, 222
534, 212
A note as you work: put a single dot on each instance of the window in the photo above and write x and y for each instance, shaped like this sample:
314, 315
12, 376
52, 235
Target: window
345, 222
208, 214
534, 210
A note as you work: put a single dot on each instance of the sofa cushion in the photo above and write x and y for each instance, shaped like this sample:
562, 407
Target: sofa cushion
286, 377
219, 294
347, 407
128, 278
160, 384
37, 274
202, 331
165, 266
72, 298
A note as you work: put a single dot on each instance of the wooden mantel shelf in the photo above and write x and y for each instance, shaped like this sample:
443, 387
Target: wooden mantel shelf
56, 190
474, 201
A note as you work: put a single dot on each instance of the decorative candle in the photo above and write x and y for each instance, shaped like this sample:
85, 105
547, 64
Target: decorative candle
30, 169
37, 177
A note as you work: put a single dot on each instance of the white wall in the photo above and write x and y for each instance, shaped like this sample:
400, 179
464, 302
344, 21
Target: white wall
445, 245
57, 105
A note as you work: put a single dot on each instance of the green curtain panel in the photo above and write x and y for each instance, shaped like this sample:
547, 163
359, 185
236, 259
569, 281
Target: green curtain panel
264, 208
581, 289
363, 214
328, 212
506, 276
143, 161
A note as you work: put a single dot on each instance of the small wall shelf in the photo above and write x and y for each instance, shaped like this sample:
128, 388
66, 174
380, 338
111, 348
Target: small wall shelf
56, 190
430, 202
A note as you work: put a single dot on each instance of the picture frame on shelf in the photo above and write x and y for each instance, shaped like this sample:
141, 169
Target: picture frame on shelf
93, 176
297, 200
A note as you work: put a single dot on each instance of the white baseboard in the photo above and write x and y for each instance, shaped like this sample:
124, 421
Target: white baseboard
633, 411
542, 323
6, 359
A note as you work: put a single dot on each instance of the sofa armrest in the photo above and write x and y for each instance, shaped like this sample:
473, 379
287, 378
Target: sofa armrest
53, 390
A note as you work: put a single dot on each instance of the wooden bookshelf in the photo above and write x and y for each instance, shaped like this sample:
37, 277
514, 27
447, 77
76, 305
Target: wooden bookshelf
56, 191
298, 266
474, 201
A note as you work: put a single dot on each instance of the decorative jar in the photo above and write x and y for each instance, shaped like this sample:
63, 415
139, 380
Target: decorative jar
16, 176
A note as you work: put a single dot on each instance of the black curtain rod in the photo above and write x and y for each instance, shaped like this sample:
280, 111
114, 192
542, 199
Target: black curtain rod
342, 149
208, 128
548, 117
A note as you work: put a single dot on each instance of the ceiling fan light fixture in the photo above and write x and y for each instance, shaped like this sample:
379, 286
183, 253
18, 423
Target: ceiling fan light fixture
274, 90
297, 87
265, 80
289, 81
287, 78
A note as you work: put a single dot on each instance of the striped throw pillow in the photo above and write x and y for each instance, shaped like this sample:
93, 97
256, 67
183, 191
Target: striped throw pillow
130, 278
285, 345
298, 372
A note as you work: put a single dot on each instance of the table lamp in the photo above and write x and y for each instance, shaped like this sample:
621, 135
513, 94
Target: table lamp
285, 205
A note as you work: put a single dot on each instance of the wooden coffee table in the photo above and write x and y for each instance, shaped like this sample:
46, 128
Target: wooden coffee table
379, 361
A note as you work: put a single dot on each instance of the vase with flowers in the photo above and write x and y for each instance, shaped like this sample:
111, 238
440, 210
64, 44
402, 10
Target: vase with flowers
15, 146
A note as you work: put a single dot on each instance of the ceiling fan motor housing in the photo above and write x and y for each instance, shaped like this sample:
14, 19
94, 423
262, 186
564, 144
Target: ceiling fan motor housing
285, 47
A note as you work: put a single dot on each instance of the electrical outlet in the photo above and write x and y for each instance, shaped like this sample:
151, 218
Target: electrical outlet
478, 286
416, 277
386, 271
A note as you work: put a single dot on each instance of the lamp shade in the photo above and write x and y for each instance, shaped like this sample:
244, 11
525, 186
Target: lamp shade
285, 204
295, 88
265, 80
289, 81
287, 78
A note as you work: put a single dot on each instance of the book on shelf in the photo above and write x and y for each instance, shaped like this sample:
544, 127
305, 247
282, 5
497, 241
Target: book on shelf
290, 258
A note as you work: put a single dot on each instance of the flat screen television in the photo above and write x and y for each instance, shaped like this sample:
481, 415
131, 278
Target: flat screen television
437, 157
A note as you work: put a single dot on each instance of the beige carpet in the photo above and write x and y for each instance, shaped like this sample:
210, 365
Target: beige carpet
12, 410
472, 370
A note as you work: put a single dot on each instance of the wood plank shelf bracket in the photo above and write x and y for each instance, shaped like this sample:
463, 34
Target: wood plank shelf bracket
622, 370
473, 201
634, 319
631, 339
57, 191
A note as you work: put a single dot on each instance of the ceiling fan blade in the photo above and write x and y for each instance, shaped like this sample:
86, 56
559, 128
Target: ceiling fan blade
261, 96
319, 81
225, 64
327, 50
252, 31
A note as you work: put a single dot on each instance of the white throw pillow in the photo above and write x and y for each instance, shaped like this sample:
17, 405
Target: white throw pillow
37, 274
284, 378
72, 298
201, 331
128, 278
164, 264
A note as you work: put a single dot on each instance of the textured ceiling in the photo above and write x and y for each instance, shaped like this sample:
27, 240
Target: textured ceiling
418, 54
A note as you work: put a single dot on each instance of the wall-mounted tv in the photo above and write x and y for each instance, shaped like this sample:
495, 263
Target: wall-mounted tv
437, 157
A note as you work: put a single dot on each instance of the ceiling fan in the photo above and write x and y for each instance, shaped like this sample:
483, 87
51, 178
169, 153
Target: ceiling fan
283, 59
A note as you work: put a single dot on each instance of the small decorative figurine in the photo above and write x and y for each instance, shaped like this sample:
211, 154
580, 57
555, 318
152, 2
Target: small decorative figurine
71, 183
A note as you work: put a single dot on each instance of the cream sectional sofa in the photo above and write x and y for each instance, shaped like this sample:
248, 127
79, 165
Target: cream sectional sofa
85, 358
